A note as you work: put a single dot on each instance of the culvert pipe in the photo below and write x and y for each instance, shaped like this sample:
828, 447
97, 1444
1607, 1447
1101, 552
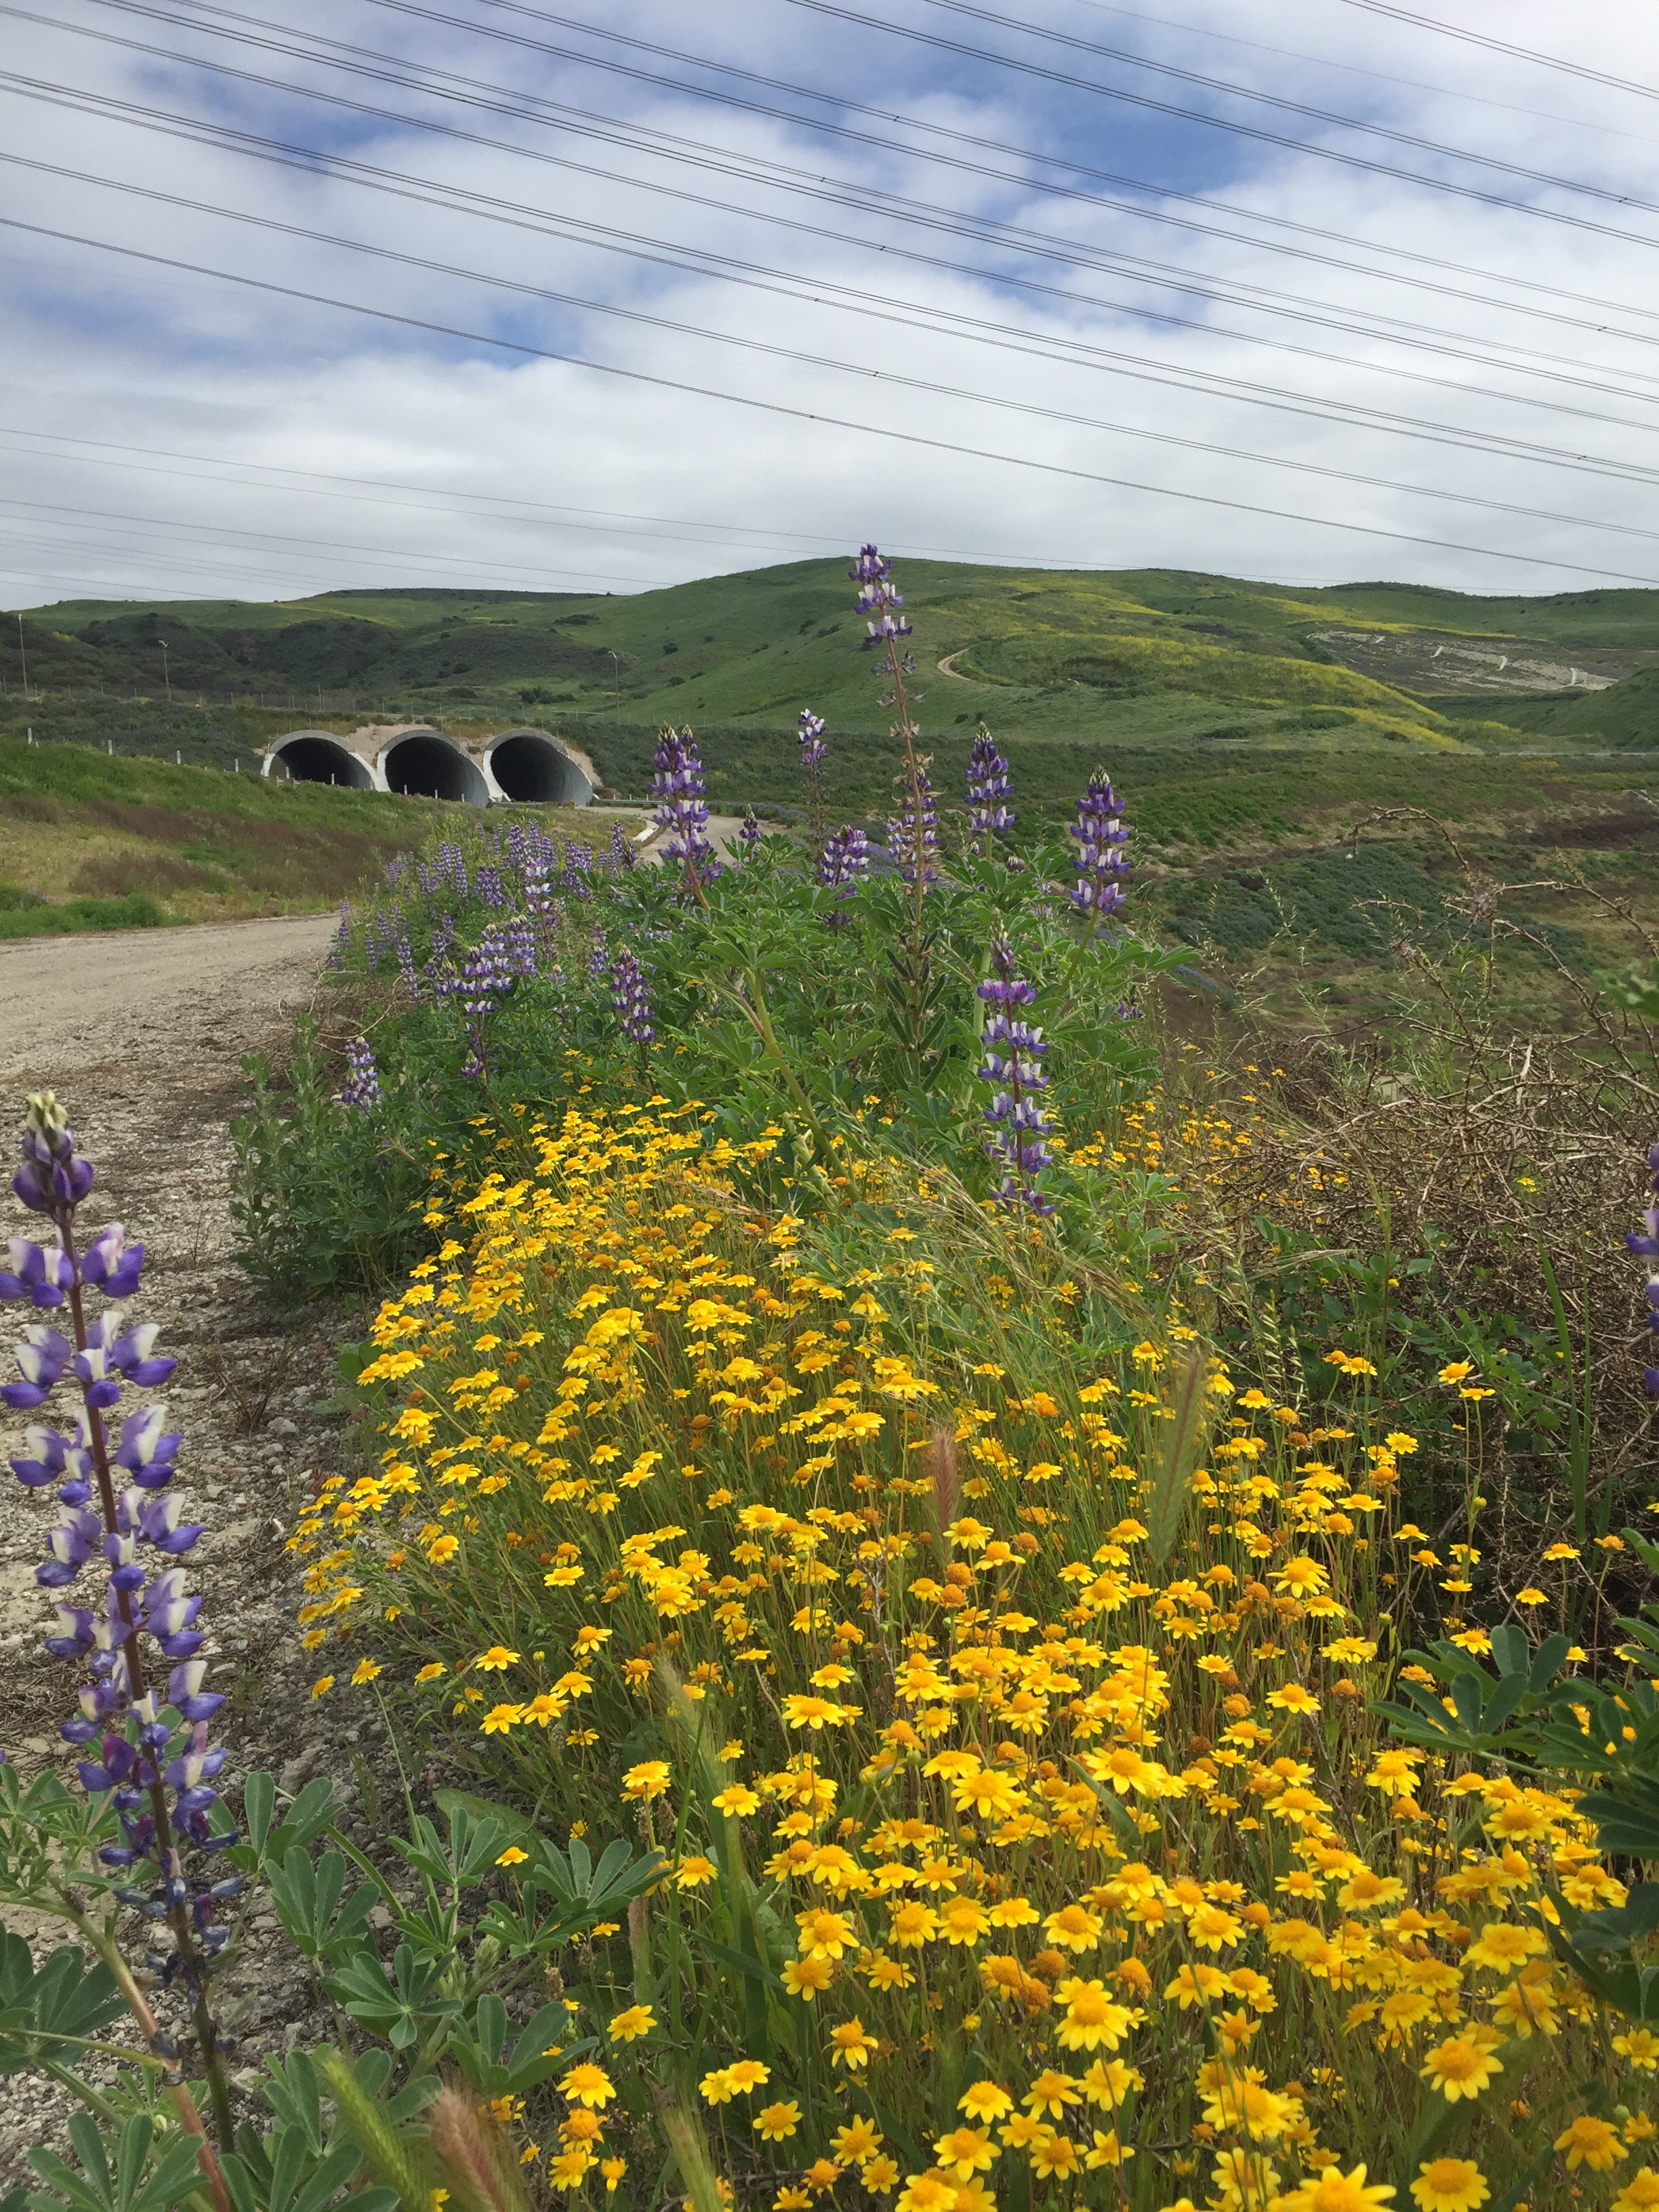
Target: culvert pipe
533, 767
428, 766
313, 756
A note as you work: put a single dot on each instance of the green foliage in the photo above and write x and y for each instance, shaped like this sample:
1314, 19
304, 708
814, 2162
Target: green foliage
129, 2181
46, 2010
36, 917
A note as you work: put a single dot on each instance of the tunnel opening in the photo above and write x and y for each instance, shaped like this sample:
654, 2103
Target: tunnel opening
427, 766
529, 767
314, 758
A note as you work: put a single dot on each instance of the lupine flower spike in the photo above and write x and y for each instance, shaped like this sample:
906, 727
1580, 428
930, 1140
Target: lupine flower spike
678, 788
143, 1726
989, 787
913, 833
749, 833
1014, 1052
1101, 860
1646, 1247
814, 754
503, 957
632, 1002
362, 1091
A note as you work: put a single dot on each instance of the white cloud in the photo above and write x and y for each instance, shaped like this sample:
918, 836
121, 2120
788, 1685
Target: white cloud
533, 466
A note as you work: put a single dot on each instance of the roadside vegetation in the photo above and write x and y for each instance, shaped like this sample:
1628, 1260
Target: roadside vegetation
1031, 1543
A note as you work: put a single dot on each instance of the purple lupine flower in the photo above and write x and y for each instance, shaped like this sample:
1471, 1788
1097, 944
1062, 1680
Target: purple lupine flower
877, 601
1014, 1052
913, 834
814, 754
40, 1272
503, 956
158, 1776
749, 833
407, 971
53, 1178
678, 785
598, 954
1645, 1246
846, 861
989, 787
491, 890
622, 849
111, 1265
363, 1091
1101, 860
342, 943
631, 999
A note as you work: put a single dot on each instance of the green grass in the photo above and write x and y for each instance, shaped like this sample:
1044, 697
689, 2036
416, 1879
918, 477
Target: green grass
21, 916
92, 842
1094, 656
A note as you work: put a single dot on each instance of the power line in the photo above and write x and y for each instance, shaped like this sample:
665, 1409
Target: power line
785, 411
1071, 166
1241, 130
797, 357
761, 536
979, 14
1502, 47
978, 329
444, 564
846, 192
1357, 69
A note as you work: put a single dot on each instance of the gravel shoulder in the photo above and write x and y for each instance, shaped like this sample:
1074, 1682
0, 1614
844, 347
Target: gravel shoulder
141, 1035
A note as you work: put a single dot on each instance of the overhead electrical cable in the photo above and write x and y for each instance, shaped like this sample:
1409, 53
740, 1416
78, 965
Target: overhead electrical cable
438, 81
1502, 47
1310, 146
1038, 243
841, 191
800, 357
762, 535
1459, 93
783, 411
1027, 29
219, 531
1071, 166
698, 260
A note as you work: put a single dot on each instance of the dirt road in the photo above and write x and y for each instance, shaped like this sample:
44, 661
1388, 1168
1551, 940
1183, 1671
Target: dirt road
142, 1002
140, 1033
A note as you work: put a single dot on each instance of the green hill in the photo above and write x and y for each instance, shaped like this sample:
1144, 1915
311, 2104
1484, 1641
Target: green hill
1254, 728
87, 842
1158, 654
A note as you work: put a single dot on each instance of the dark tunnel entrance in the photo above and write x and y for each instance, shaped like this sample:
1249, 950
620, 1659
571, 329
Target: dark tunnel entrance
314, 758
529, 767
430, 767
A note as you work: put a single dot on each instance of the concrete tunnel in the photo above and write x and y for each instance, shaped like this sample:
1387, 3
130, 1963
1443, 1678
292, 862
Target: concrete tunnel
533, 767
313, 756
428, 766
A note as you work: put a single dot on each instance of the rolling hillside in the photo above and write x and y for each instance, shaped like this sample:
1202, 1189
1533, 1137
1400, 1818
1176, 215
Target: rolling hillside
1254, 731
1155, 654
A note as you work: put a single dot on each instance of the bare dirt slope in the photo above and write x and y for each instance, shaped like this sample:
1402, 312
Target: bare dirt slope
141, 1033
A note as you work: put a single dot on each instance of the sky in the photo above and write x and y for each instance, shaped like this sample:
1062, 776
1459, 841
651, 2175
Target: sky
479, 293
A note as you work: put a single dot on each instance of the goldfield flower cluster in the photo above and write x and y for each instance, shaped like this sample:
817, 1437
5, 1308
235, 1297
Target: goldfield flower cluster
1032, 1837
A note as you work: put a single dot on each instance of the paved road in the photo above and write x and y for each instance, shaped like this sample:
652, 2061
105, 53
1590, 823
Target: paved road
118, 1010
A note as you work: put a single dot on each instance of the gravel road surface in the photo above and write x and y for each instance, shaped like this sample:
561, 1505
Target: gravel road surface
141, 1033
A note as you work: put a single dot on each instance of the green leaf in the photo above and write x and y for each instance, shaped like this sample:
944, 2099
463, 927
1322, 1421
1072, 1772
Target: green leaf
66, 1997
307, 1896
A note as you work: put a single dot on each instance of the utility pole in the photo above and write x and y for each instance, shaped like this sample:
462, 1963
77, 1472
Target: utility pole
165, 678
615, 662
23, 656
